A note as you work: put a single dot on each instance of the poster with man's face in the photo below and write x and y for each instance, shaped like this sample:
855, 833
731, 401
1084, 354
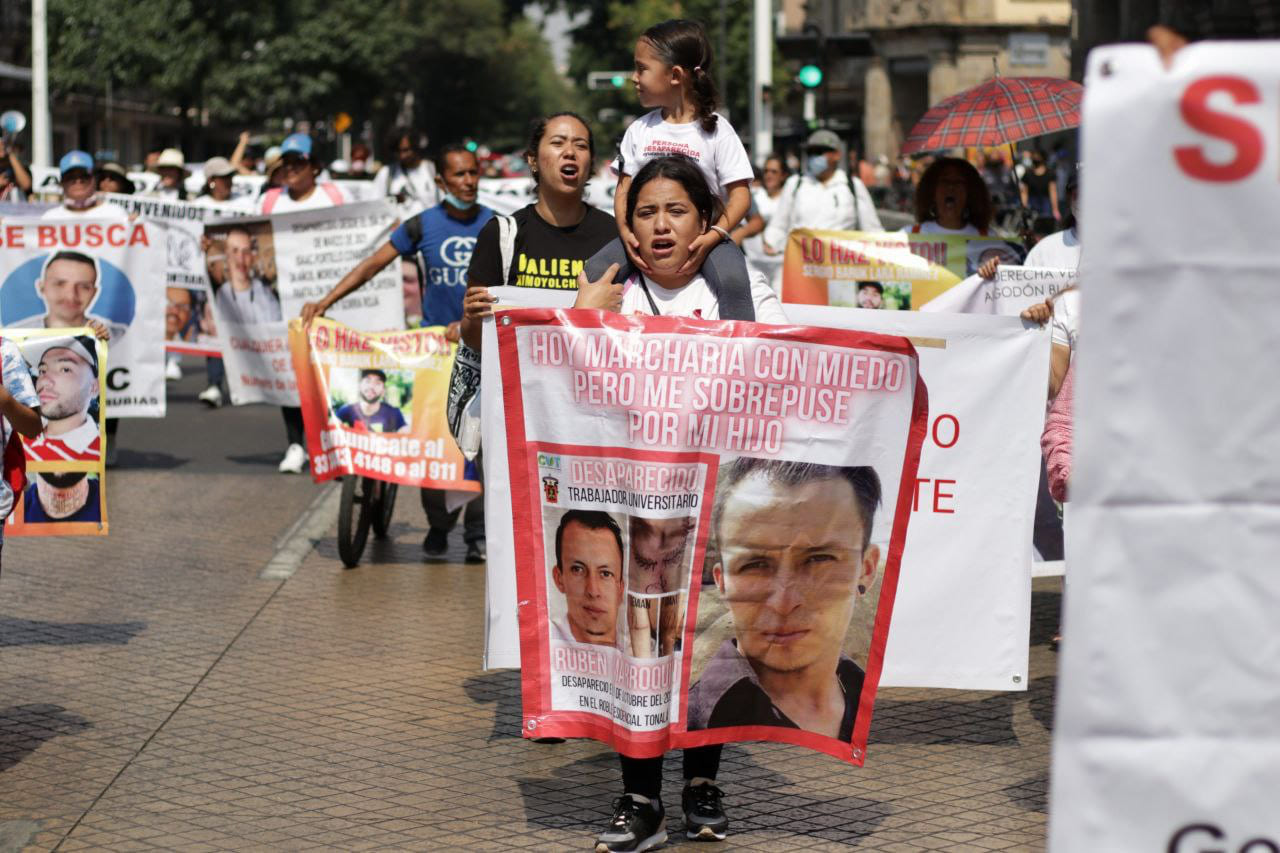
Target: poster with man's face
189, 322
62, 273
718, 512
65, 465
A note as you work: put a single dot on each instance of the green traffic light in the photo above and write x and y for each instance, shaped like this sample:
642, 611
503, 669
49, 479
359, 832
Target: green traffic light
471, 145
810, 76
618, 81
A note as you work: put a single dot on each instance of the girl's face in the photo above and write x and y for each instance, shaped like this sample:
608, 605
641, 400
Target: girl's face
655, 81
665, 222
564, 156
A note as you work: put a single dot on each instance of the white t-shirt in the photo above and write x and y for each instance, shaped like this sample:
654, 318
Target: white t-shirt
1060, 250
932, 227
255, 305
830, 205
418, 185
719, 154
104, 211
319, 198
696, 300
1066, 318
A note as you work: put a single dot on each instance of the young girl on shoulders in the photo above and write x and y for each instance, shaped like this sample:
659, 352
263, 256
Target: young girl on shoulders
673, 78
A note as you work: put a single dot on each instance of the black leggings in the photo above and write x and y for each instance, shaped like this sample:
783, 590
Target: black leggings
293, 424
643, 776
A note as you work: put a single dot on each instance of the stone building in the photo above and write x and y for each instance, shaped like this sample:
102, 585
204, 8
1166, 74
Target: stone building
916, 53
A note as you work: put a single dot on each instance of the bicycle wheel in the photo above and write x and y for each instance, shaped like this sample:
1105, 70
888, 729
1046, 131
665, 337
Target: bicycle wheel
384, 508
354, 518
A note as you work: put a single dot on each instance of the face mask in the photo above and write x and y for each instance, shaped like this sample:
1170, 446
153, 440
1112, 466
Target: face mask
817, 164
82, 204
456, 203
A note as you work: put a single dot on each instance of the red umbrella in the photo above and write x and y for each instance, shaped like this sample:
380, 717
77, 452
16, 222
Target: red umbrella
1003, 109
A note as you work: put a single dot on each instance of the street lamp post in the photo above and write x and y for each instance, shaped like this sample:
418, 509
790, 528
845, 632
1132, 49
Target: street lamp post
41, 140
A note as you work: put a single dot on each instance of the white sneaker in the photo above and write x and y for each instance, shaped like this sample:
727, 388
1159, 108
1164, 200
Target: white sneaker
211, 396
294, 460
172, 370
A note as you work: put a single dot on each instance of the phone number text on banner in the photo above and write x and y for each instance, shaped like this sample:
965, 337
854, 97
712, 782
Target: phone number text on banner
648, 455
374, 404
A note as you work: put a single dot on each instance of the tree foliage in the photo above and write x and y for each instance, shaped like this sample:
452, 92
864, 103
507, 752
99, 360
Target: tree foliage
475, 68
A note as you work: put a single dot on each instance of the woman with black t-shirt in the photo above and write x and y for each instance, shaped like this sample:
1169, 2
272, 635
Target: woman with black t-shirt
555, 236
1039, 188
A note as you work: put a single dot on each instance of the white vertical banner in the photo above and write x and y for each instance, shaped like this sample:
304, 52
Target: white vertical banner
1167, 733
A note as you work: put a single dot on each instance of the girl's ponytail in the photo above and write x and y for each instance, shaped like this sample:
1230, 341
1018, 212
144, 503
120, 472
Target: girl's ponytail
685, 43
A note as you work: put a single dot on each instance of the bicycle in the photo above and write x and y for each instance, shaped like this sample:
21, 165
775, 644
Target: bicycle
366, 503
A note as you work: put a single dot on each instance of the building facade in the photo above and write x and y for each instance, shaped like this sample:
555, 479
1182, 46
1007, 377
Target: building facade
923, 51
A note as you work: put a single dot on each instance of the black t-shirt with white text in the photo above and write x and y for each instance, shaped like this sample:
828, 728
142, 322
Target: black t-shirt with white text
545, 256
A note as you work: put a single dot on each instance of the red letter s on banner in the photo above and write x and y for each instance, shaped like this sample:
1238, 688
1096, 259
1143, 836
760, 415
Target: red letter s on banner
1244, 136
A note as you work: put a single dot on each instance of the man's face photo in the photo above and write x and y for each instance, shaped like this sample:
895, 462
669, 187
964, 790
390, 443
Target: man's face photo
240, 258
65, 384
589, 574
177, 312
870, 296
68, 289
658, 554
791, 575
372, 388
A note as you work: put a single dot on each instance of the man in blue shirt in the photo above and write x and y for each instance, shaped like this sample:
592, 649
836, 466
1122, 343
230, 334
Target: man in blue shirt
442, 237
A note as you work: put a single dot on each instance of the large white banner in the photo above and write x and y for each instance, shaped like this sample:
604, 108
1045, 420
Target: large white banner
1167, 732
963, 598
264, 269
60, 273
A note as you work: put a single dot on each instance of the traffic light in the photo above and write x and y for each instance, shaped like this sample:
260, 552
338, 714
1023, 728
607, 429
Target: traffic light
810, 76
597, 80
472, 145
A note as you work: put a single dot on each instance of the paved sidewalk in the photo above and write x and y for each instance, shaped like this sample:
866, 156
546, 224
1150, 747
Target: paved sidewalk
156, 694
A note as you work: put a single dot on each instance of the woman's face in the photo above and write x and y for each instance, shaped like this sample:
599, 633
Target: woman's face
220, 188
564, 156
665, 222
951, 195
772, 175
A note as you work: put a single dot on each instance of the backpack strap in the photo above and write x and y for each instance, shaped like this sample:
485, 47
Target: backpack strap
612, 253
506, 244
334, 194
725, 270
269, 200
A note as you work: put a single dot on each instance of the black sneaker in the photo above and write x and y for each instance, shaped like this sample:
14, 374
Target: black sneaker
476, 552
635, 826
436, 543
704, 818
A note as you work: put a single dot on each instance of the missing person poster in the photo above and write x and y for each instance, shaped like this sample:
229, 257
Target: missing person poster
1013, 290
1166, 732
262, 270
895, 271
708, 521
61, 273
65, 492
374, 405
189, 324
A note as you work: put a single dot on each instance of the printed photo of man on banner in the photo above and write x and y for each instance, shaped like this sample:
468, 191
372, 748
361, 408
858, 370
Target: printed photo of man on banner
263, 269
60, 275
189, 324
896, 271
709, 518
373, 404
64, 493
